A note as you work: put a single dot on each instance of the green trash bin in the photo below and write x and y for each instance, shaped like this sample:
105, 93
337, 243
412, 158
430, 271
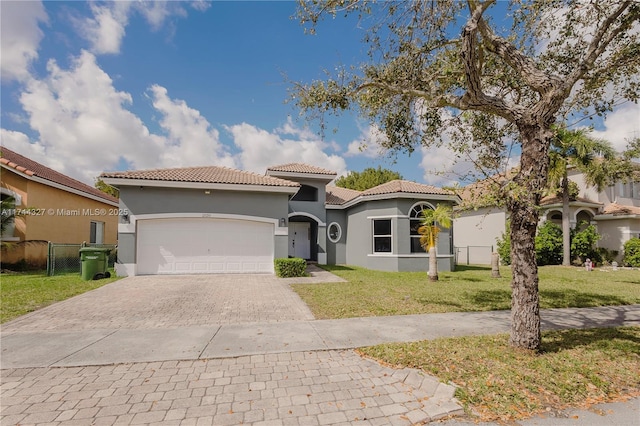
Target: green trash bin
95, 261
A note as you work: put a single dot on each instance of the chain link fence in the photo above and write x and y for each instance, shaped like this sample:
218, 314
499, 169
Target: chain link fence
65, 258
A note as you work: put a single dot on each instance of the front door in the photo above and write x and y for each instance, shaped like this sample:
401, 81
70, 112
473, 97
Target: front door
300, 239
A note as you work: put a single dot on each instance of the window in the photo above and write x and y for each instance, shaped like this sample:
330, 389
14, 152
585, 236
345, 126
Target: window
96, 235
334, 232
306, 193
382, 236
415, 216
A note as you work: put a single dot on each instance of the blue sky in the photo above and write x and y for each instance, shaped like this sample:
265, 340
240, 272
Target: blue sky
92, 87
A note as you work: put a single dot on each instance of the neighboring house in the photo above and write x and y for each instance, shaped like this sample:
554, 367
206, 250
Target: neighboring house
220, 220
615, 212
51, 207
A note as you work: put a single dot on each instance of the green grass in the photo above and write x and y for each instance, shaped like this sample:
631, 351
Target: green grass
497, 382
470, 288
21, 293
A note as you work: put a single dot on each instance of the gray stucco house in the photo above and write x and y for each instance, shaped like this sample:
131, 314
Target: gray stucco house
221, 220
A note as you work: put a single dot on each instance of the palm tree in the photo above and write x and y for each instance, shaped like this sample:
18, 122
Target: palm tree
596, 159
430, 223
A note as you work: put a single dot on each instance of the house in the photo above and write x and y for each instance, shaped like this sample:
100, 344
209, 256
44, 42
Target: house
221, 220
615, 212
50, 206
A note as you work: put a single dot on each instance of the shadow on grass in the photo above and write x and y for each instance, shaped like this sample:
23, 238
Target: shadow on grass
461, 268
336, 267
577, 299
494, 299
558, 341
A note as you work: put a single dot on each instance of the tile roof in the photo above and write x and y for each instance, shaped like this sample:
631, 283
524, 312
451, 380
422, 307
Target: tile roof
301, 168
29, 167
208, 174
405, 186
618, 210
555, 199
337, 195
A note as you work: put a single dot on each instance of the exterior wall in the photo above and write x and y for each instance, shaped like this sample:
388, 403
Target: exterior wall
58, 216
316, 208
177, 202
337, 252
616, 232
476, 232
359, 250
316, 214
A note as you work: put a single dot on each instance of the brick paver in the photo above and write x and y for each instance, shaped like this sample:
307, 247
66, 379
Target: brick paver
306, 388
146, 302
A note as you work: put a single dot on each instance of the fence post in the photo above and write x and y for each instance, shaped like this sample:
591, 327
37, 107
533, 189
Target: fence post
49, 258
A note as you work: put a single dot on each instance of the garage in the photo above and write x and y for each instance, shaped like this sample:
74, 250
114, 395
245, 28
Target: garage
204, 246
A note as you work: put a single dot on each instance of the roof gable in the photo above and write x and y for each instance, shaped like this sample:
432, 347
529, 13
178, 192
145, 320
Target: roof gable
31, 168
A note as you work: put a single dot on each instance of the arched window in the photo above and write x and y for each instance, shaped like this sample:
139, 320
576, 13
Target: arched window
415, 216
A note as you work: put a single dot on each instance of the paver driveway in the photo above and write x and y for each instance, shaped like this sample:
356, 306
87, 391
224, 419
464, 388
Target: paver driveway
171, 301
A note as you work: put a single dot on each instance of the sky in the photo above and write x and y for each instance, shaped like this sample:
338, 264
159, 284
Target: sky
89, 87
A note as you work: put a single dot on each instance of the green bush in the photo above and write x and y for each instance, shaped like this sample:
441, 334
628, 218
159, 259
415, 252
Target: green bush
583, 245
290, 267
632, 252
549, 244
504, 248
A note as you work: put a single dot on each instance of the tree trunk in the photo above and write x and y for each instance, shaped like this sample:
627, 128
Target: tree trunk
523, 204
433, 265
566, 226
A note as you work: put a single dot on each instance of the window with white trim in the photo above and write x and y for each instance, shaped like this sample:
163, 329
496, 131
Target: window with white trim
334, 232
96, 234
8, 215
415, 221
382, 235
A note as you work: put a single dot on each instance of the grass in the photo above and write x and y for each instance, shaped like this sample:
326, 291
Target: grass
21, 293
498, 383
470, 288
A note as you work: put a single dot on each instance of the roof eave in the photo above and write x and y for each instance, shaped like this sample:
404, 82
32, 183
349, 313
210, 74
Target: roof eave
415, 195
56, 185
117, 182
317, 176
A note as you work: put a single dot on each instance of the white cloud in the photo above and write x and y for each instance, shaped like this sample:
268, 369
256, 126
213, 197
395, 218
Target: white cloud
368, 143
20, 37
620, 126
191, 141
106, 29
261, 149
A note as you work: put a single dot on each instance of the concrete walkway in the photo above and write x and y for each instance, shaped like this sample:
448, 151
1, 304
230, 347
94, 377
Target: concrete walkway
93, 360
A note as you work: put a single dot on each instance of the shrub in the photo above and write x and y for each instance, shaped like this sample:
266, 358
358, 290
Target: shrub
504, 249
583, 244
290, 267
607, 256
549, 244
632, 252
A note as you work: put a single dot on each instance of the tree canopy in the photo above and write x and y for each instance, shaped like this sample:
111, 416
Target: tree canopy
368, 178
107, 189
485, 77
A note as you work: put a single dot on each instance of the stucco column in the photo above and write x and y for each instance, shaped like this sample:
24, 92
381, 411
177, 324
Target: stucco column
322, 244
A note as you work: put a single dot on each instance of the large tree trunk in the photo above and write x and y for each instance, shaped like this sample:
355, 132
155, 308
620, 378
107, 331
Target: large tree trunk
523, 203
566, 226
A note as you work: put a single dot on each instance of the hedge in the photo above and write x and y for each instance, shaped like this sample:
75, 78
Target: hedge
290, 267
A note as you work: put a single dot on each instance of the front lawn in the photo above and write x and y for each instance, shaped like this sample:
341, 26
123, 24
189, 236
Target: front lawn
576, 368
24, 292
470, 288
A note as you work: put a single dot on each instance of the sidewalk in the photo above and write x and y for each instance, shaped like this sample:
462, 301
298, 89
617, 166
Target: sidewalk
105, 346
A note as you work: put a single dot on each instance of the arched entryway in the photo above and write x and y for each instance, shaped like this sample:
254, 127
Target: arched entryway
303, 237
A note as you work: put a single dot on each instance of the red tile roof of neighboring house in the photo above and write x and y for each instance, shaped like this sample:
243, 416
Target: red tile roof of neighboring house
301, 168
337, 195
405, 186
208, 174
618, 210
29, 167
549, 200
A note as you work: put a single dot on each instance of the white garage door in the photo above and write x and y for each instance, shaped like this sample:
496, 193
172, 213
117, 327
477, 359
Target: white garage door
204, 246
